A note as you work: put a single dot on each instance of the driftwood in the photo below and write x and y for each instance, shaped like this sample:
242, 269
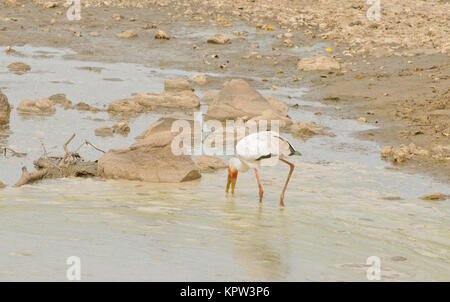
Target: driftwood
71, 164
13, 152
28, 177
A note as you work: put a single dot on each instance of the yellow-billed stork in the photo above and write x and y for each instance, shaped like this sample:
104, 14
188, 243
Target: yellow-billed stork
260, 149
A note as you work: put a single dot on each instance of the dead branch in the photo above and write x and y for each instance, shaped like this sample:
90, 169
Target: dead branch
14, 153
68, 154
28, 177
71, 164
66, 149
88, 144
44, 150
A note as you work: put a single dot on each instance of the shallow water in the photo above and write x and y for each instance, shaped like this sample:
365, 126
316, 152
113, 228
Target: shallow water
336, 213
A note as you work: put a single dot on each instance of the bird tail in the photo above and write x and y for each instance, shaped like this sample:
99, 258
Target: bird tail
293, 151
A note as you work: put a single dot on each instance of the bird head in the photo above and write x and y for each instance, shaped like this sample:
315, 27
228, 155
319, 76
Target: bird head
233, 166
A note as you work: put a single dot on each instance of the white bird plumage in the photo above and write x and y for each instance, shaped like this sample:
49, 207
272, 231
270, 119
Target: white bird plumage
260, 149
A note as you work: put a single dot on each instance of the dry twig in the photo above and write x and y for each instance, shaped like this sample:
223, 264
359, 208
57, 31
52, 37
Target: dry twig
14, 153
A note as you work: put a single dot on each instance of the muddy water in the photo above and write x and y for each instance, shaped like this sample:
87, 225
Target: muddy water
342, 204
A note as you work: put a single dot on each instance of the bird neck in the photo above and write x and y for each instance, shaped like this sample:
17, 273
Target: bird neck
235, 164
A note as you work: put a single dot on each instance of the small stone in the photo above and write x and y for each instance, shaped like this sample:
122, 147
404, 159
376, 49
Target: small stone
362, 119
5, 109
82, 106
160, 34
117, 17
434, 196
121, 128
22, 253
198, 79
177, 85
37, 106
398, 258
127, 34
60, 99
219, 38
386, 151
104, 131
11, 3
392, 198
288, 43
50, 4
86, 107
317, 63
19, 68
303, 128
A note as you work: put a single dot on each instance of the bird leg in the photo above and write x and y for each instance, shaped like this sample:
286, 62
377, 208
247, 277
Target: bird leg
291, 165
228, 183
261, 192
232, 177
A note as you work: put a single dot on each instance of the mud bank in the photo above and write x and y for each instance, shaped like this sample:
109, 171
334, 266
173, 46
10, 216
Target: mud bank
392, 73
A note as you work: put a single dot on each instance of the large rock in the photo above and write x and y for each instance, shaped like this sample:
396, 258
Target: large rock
210, 96
151, 160
182, 100
177, 94
278, 105
126, 105
209, 163
317, 63
270, 115
237, 100
5, 109
164, 124
37, 106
